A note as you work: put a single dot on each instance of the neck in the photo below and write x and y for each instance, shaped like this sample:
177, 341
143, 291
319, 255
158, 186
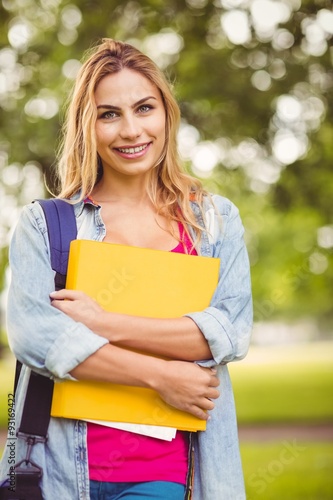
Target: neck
126, 190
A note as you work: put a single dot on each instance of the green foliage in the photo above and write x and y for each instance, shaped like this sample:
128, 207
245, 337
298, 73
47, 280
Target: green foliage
292, 273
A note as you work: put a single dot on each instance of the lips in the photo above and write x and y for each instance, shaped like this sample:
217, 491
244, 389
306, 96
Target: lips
133, 149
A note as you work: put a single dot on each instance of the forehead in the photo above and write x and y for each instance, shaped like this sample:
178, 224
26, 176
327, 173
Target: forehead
125, 87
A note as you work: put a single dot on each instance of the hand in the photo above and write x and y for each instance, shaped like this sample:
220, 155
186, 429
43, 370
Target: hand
189, 387
79, 306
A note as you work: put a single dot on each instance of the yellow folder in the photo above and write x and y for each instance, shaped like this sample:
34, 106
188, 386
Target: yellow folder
142, 282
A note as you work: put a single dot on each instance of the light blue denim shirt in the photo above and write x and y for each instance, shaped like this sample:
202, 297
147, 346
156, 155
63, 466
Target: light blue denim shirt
51, 343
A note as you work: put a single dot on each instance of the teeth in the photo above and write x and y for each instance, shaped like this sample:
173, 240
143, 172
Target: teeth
132, 150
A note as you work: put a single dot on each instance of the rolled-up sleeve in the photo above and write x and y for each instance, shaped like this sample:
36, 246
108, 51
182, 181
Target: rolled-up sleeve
43, 338
227, 322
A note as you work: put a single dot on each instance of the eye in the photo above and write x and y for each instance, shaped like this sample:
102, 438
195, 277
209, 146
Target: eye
108, 115
145, 108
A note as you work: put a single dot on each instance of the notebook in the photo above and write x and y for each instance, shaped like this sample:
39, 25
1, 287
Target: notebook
136, 281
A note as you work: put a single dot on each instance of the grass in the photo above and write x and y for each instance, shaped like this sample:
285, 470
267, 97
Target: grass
288, 470
285, 384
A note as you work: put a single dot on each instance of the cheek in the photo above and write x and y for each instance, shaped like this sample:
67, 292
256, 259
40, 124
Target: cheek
103, 136
161, 128
98, 135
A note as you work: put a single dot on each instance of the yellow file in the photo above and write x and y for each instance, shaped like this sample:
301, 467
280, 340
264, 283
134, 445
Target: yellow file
142, 282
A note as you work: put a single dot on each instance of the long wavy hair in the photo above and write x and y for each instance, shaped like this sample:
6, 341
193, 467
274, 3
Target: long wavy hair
79, 167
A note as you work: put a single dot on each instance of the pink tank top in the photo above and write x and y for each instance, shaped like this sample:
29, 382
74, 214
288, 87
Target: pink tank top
119, 456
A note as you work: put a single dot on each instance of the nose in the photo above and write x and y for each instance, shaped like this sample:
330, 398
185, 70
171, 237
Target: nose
130, 127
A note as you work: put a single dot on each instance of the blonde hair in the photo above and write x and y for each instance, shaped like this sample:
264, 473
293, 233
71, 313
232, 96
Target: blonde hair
79, 168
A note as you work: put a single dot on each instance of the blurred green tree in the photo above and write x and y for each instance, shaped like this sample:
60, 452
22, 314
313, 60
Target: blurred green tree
254, 81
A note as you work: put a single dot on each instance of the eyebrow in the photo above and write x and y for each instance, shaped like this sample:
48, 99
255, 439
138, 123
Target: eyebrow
116, 108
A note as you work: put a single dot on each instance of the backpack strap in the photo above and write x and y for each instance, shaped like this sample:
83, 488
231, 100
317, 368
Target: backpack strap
61, 228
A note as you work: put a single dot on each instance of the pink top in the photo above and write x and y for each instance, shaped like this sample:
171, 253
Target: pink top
119, 456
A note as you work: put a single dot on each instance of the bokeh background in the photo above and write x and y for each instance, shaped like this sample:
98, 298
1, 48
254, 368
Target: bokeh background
254, 81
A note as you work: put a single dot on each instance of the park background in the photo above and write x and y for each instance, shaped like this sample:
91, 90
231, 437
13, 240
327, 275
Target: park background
254, 81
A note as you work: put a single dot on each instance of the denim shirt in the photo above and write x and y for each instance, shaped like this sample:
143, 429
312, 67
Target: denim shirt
51, 343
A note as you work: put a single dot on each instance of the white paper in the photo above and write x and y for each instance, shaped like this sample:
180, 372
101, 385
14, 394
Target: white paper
156, 431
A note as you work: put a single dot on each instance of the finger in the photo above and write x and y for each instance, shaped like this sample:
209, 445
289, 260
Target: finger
206, 404
213, 393
215, 382
199, 412
58, 295
59, 304
212, 372
65, 294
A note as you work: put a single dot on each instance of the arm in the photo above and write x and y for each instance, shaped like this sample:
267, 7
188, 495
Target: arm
40, 336
184, 385
177, 338
227, 323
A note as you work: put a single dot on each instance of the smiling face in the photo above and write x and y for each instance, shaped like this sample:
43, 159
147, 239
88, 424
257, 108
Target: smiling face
130, 126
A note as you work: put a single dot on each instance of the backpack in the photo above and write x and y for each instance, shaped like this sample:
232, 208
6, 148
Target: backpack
61, 226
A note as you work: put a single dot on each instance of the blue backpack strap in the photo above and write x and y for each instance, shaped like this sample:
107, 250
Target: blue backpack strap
61, 226
62, 229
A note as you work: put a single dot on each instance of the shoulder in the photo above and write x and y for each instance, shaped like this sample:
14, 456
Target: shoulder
37, 208
209, 201
30, 231
221, 218
220, 205
32, 217
32, 214
217, 207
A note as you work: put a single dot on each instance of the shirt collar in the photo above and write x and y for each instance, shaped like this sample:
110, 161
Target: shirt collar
88, 200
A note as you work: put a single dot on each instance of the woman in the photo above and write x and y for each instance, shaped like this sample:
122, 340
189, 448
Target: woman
119, 166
